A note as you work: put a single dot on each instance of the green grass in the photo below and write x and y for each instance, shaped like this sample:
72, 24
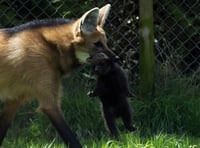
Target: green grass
169, 120
125, 141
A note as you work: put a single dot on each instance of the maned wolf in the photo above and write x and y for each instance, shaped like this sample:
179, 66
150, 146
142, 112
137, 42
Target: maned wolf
36, 55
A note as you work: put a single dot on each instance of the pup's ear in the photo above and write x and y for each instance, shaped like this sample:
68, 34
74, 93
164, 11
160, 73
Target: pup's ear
114, 59
103, 14
88, 22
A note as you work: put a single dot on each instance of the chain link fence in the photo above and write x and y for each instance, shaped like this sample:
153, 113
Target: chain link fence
176, 27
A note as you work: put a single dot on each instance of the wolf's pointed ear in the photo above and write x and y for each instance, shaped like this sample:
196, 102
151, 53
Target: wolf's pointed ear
103, 14
89, 20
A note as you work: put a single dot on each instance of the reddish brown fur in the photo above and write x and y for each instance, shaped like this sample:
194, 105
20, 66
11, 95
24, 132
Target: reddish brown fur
32, 63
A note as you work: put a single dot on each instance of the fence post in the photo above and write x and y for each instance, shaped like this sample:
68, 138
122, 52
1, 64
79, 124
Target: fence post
146, 61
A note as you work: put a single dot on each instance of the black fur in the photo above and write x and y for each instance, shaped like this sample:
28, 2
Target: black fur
112, 87
37, 24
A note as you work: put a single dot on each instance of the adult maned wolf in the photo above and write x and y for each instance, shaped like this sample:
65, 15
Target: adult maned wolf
36, 55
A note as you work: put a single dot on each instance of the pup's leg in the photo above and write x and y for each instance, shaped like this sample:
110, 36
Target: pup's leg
126, 116
110, 121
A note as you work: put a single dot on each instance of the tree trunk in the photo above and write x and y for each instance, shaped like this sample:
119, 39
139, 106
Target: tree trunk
146, 62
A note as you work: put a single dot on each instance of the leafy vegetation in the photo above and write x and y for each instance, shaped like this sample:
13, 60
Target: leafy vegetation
170, 119
18, 11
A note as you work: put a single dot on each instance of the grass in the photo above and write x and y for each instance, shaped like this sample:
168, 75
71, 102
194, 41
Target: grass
170, 120
125, 141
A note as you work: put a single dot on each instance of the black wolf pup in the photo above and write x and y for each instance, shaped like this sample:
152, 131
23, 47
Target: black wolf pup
112, 87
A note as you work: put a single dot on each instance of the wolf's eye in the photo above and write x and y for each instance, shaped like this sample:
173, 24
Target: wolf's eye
98, 44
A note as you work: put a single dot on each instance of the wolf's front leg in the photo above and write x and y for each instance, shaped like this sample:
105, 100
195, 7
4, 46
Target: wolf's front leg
8, 113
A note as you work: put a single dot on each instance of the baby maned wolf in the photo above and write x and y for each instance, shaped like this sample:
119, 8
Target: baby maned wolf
36, 55
112, 88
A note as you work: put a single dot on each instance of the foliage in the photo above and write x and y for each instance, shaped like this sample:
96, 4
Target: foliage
125, 141
170, 119
14, 12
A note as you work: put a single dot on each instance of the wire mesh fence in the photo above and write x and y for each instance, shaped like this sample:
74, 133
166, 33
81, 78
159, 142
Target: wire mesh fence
178, 34
176, 27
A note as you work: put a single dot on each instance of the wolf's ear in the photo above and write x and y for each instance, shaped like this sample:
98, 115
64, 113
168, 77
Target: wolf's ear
103, 14
89, 20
